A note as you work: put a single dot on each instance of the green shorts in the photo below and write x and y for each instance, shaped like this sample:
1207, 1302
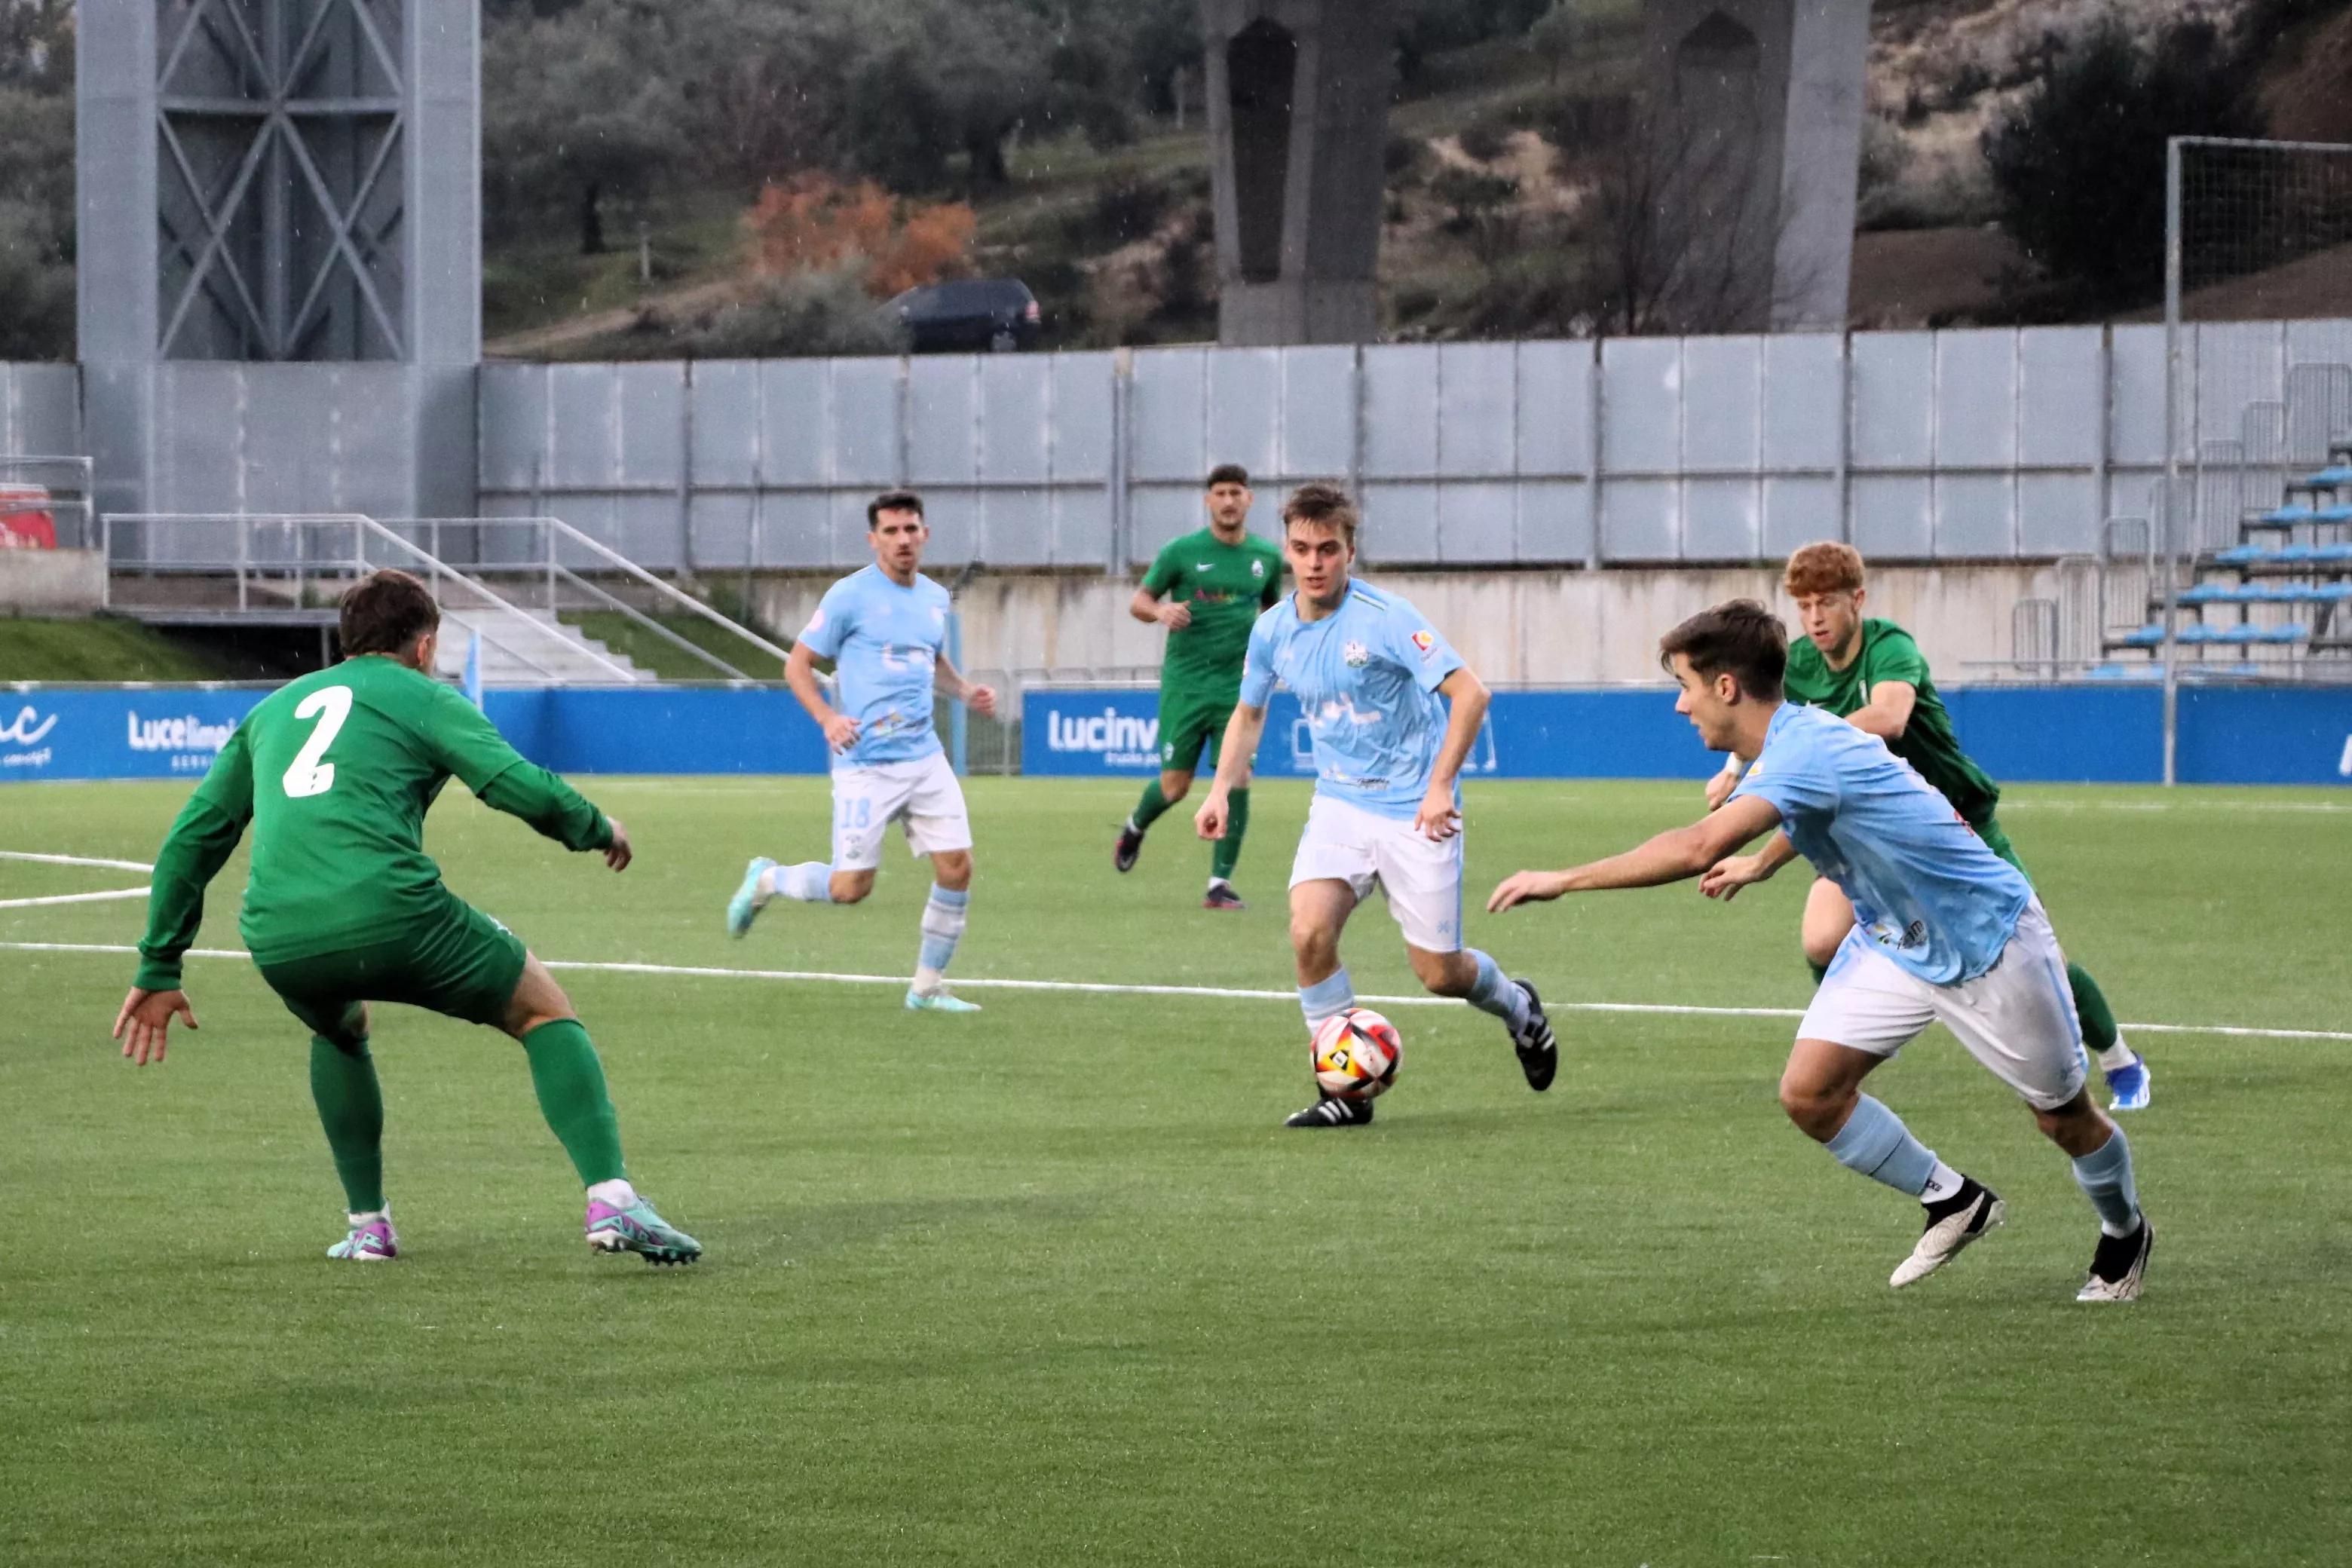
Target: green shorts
1996, 840
1187, 722
458, 963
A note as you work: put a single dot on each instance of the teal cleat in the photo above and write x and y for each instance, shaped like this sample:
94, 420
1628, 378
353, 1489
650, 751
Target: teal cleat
744, 907
940, 1000
371, 1241
637, 1228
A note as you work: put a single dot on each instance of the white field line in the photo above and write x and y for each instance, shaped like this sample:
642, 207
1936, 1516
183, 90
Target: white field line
1212, 993
75, 898
75, 861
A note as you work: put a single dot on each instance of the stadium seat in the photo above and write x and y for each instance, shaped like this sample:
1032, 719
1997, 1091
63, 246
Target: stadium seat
2245, 555
2330, 477
2142, 637
2294, 514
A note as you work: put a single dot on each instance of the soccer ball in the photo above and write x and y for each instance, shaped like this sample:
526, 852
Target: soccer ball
1355, 1054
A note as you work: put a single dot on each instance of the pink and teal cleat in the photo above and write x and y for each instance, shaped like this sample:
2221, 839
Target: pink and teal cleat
371, 1241
637, 1228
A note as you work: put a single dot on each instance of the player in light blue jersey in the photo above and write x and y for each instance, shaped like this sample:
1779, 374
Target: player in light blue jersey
885, 627
1944, 929
1368, 673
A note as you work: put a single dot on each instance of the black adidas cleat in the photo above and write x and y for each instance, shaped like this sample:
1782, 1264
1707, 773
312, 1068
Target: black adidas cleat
1333, 1111
1220, 895
2116, 1267
1974, 1211
1129, 846
1538, 1047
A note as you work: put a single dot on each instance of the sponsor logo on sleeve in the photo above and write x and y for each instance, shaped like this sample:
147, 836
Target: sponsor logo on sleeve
1426, 641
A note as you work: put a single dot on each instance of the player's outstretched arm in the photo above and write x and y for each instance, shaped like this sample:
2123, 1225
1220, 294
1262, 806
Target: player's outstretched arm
1671, 857
1233, 754
202, 837
950, 683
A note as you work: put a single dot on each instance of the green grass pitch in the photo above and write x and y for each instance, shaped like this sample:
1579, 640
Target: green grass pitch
1050, 1284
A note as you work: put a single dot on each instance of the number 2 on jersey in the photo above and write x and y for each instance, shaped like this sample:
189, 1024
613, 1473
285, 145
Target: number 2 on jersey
308, 776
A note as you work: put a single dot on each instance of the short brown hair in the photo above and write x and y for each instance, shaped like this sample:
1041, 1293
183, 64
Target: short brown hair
1826, 567
1228, 474
384, 612
892, 501
1740, 635
1325, 504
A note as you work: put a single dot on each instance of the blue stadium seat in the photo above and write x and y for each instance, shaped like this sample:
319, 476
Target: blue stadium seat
2331, 554
2245, 555
2323, 593
2142, 637
2337, 514
2288, 516
2330, 477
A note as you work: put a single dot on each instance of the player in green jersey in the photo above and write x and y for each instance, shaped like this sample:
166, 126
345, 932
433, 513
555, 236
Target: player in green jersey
335, 771
1208, 589
1870, 673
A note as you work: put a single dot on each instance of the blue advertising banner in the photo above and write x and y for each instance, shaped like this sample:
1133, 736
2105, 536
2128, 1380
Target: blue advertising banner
127, 732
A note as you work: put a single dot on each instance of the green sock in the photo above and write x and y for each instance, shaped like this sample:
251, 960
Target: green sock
351, 1107
1151, 809
1228, 849
570, 1085
2091, 1006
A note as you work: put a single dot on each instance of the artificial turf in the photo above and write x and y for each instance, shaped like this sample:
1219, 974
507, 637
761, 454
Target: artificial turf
1050, 1284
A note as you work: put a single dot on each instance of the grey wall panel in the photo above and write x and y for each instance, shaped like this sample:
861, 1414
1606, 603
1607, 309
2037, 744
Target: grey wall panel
2319, 343
1477, 522
1894, 408
1400, 418
1554, 408
1318, 413
1798, 511
1894, 517
957, 534
1640, 412
1722, 404
1641, 521
446, 447
1016, 527
1016, 418
796, 529
1159, 514
2237, 363
1083, 407
943, 418
40, 410
1722, 520
594, 514
796, 421
1167, 417
1477, 429
2059, 395
647, 532
846, 539
584, 423
1555, 521
1976, 399
1081, 527
2135, 393
1974, 515
301, 471
1400, 526
1245, 409
1804, 392
726, 422
2057, 514
198, 439
652, 402
864, 426
722, 528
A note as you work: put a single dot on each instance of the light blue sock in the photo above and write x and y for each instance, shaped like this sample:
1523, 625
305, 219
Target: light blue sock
943, 916
1494, 992
1325, 997
809, 883
2105, 1174
1874, 1141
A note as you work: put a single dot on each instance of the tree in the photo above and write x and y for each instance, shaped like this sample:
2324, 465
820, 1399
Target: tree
1553, 38
36, 225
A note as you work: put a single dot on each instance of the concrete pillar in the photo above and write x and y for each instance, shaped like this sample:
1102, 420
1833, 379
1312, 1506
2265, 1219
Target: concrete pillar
1755, 126
1299, 95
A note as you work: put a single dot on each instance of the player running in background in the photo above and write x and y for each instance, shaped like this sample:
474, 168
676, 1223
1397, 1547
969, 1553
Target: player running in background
1945, 929
1872, 674
335, 771
1207, 588
885, 629
1368, 672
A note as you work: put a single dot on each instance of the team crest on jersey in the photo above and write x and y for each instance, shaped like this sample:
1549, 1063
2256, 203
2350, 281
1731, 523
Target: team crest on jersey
1257, 568
1425, 640
1357, 655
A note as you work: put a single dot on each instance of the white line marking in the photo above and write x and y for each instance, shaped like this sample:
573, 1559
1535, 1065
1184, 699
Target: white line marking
1212, 992
75, 861
2319, 807
75, 898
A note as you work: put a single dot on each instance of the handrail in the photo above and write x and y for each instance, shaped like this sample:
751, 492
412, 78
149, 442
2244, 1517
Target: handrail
640, 618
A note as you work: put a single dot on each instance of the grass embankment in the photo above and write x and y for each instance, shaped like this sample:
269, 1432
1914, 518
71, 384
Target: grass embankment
99, 649
667, 660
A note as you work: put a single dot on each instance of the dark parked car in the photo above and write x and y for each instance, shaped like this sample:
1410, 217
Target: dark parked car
969, 314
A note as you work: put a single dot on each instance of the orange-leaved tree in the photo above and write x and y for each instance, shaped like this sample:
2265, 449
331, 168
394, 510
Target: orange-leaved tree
812, 223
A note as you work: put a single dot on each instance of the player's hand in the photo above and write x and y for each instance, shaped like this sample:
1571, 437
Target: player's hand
145, 1022
1719, 787
618, 854
1209, 822
841, 731
1439, 818
1175, 617
981, 700
1728, 876
1526, 888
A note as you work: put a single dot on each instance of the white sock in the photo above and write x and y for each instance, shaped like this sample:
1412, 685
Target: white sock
615, 1193
2117, 1057
943, 921
1943, 1182
384, 1214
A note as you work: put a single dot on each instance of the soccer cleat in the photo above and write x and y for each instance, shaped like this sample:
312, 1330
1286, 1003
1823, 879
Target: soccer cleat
2129, 1085
1538, 1047
374, 1242
1129, 845
942, 1001
1958, 1220
637, 1228
2117, 1265
1332, 1111
1220, 895
744, 907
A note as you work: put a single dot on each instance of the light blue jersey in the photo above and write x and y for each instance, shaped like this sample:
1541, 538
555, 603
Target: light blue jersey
884, 642
1926, 891
1366, 676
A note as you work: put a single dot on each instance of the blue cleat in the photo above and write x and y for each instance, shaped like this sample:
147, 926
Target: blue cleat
638, 1230
938, 1002
2129, 1085
744, 907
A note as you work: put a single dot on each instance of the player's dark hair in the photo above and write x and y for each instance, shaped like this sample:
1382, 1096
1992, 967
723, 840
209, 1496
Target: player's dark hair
1740, 635
1228, 474
385, 611
1325, 504
892, 500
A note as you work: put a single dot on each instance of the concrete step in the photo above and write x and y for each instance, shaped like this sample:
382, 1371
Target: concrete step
554, 655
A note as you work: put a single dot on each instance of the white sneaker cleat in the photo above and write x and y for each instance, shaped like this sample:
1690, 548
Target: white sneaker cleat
2117, 1268
940, 1000
1951, 1225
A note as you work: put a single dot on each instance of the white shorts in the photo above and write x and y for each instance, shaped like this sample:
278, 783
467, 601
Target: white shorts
1421, 878
923, 795
2017, 1017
